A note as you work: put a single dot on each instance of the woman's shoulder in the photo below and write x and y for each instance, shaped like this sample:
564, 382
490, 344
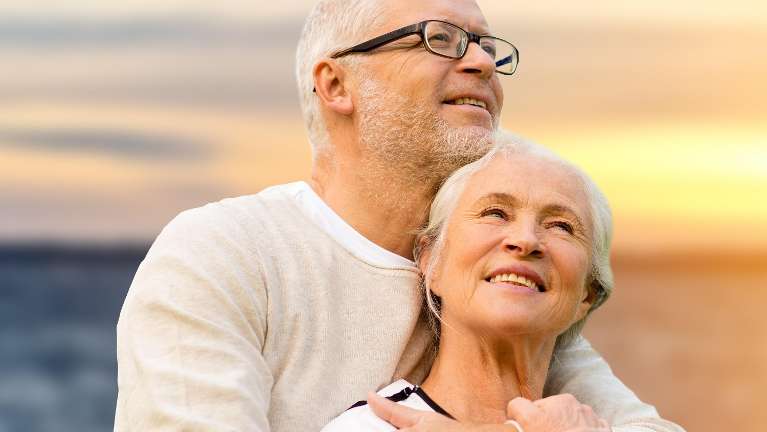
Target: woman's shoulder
361, 418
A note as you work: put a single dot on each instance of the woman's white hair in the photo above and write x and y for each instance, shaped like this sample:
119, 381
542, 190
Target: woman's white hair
331, 26
432, 237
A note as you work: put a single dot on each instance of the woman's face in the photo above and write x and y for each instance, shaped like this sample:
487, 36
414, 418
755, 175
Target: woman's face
517, 253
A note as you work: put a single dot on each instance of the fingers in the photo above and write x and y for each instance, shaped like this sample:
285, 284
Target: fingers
563, 400
555, 413
588, 412
397, 415
520, 408
590, 417
516, 425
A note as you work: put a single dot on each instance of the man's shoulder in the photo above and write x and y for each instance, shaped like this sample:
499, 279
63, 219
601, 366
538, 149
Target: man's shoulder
244, 210
237, 220
268, 200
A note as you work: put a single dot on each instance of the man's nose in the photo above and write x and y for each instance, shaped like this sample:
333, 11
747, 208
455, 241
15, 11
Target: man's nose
478, 61
523, 241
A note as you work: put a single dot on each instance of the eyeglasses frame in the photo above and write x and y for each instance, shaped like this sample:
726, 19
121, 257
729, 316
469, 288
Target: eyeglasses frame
420, 29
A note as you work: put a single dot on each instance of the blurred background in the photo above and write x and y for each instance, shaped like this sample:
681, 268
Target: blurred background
115, 116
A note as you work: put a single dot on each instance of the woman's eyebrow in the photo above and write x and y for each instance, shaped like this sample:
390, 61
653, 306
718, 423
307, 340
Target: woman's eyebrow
497, 198
512, 201
558, 209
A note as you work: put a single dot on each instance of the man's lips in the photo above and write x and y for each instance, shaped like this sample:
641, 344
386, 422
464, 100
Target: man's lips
468, 101
472, 99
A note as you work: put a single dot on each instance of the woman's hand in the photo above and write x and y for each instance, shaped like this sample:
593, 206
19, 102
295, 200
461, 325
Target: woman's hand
560, 413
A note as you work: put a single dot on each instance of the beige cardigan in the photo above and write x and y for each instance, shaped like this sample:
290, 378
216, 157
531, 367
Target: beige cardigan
248, 316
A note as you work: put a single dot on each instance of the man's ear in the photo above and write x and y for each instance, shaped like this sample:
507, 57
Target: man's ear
330, 86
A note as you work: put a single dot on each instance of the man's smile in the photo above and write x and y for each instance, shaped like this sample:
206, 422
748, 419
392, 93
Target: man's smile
468, 101
472, 103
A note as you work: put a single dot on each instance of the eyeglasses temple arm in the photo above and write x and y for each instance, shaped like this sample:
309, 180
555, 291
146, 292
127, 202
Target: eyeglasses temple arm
381, 40
503, 61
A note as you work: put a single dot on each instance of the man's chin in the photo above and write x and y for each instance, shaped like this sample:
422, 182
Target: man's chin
462, 145
475, 129
467, 116
468, 132
471, 127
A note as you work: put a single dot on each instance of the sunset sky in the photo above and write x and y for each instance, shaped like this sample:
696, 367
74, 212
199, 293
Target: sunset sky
115, 116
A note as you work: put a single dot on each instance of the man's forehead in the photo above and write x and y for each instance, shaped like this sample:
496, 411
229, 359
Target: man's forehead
463, 13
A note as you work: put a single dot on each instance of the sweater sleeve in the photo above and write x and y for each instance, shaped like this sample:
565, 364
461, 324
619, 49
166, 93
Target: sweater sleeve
582, 372
191, 333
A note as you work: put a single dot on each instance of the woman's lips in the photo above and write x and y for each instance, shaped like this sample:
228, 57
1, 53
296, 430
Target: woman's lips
517, 275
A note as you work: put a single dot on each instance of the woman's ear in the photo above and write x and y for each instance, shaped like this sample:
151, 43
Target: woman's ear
425, 247
424, 254
330, 86
590, 295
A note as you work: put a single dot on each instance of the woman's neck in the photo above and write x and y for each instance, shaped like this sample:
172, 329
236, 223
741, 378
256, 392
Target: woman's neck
475, 379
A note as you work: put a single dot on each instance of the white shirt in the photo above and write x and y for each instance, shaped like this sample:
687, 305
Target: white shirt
362, 419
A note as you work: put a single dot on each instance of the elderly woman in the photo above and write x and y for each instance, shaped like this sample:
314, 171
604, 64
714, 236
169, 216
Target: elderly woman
514, 258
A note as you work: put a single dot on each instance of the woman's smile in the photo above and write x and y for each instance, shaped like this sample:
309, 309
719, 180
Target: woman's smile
517, 275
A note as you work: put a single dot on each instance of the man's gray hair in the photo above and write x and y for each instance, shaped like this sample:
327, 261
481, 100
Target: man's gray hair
331, 26
432, 237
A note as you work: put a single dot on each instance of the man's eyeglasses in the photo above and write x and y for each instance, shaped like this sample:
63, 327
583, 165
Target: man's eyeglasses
446, 40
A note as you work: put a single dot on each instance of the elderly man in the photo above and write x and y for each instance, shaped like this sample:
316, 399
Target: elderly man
277, 310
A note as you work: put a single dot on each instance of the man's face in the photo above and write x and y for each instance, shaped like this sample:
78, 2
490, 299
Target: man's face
425, 102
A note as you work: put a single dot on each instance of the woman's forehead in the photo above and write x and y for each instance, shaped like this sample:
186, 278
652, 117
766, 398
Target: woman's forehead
528, 180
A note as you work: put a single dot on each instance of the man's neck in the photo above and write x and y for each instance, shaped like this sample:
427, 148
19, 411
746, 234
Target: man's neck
474, 380
382, 206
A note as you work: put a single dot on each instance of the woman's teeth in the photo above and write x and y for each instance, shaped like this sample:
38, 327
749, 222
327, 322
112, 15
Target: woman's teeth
511, 277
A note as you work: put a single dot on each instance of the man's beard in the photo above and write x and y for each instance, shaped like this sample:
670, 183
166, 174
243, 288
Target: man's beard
406, 139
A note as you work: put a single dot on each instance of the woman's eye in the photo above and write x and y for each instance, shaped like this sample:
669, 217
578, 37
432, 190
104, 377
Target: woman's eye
494, 212
564, 226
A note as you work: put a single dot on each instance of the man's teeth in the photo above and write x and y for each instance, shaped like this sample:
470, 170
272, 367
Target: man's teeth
511, 277
470, 101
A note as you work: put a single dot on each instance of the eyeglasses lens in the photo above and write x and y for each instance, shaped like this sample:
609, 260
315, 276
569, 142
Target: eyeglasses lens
504, 54
445, 39
452, 41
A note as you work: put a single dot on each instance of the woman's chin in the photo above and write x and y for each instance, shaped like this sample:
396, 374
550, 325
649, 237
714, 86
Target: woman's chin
517, 328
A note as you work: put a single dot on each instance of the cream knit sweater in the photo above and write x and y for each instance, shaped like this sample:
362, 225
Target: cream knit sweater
246, 315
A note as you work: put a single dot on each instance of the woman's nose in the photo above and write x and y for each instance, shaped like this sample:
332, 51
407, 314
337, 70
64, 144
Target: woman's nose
523, 241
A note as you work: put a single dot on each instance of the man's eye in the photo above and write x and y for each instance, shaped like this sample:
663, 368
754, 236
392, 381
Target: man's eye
490, 49
439, 39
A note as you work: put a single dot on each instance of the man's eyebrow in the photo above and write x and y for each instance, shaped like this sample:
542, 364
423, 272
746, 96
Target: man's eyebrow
480, 29
483, 31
